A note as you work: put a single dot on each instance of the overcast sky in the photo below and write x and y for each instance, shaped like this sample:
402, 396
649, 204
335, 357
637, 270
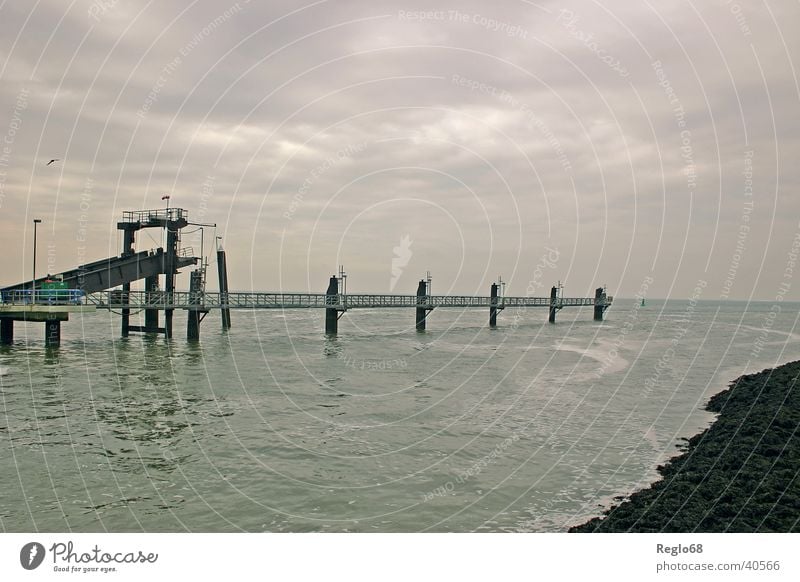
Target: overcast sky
595, 143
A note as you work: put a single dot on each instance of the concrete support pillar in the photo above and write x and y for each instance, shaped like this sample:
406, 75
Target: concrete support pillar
493, 307
170, 270
52, 332
222, 271
128, 240
332, 314
6, 331
195, 298
126, 313
599, 303
193, 325
151, 315
553, 304
422, 313
168, 322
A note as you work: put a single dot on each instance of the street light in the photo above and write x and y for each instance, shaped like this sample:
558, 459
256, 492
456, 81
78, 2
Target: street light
33, 282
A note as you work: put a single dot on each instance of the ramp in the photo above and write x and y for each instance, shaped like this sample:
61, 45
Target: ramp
114, 271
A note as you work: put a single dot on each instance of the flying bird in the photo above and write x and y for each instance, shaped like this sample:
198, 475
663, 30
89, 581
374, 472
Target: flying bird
52, 161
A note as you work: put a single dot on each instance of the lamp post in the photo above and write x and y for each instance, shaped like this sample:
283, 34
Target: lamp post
33, 281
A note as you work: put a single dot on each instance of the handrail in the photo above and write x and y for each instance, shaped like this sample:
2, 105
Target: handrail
157, 214
42, 297
265, 300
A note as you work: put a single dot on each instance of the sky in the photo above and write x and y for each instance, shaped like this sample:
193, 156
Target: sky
649, 147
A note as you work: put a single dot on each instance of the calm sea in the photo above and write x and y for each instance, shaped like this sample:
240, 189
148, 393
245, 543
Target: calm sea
270, 426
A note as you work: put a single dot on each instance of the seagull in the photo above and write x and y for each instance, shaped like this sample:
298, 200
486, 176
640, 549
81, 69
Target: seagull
52, 161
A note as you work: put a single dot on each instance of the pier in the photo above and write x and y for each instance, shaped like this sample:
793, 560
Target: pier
335, 303
106, 285
38, 306
338, 302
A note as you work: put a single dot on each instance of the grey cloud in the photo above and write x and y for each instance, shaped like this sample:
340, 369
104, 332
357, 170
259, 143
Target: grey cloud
519, 126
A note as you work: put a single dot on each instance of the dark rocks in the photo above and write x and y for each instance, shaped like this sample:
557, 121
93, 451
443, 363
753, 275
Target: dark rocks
742, 474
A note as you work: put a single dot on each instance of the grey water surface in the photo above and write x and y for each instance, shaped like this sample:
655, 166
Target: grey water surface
271, 426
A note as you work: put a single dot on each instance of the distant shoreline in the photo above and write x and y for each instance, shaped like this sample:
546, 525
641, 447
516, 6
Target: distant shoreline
741, 474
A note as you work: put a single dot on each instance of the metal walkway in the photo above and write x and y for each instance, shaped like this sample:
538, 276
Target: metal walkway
115, 271
257, 300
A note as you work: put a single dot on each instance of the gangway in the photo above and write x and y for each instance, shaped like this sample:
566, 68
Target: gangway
114, 271
266, 300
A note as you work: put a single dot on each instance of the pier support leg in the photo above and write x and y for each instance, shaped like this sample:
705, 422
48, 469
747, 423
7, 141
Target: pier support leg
151, 315
222, 271
168, 313
553, 304
171, 260
52, 332
599, 303
128, 240
193, 325
6, 331
493, 307
195, 298
332, 314
422, 313
126, 313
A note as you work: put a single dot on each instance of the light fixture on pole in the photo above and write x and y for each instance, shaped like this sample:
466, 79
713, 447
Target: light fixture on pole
33, 281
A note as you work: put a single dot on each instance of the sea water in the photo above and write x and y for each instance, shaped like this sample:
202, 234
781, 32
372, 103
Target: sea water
271, 426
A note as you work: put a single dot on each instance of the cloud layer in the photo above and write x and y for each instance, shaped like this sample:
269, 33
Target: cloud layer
644, 139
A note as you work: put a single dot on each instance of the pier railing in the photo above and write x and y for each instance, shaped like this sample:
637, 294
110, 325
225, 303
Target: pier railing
42, 297
155, 215
256, 300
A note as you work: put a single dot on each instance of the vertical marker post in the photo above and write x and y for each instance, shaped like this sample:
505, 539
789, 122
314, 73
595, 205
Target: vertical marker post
222, 271
553, 304
493, 305
331, 313
422, 313
599, 303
